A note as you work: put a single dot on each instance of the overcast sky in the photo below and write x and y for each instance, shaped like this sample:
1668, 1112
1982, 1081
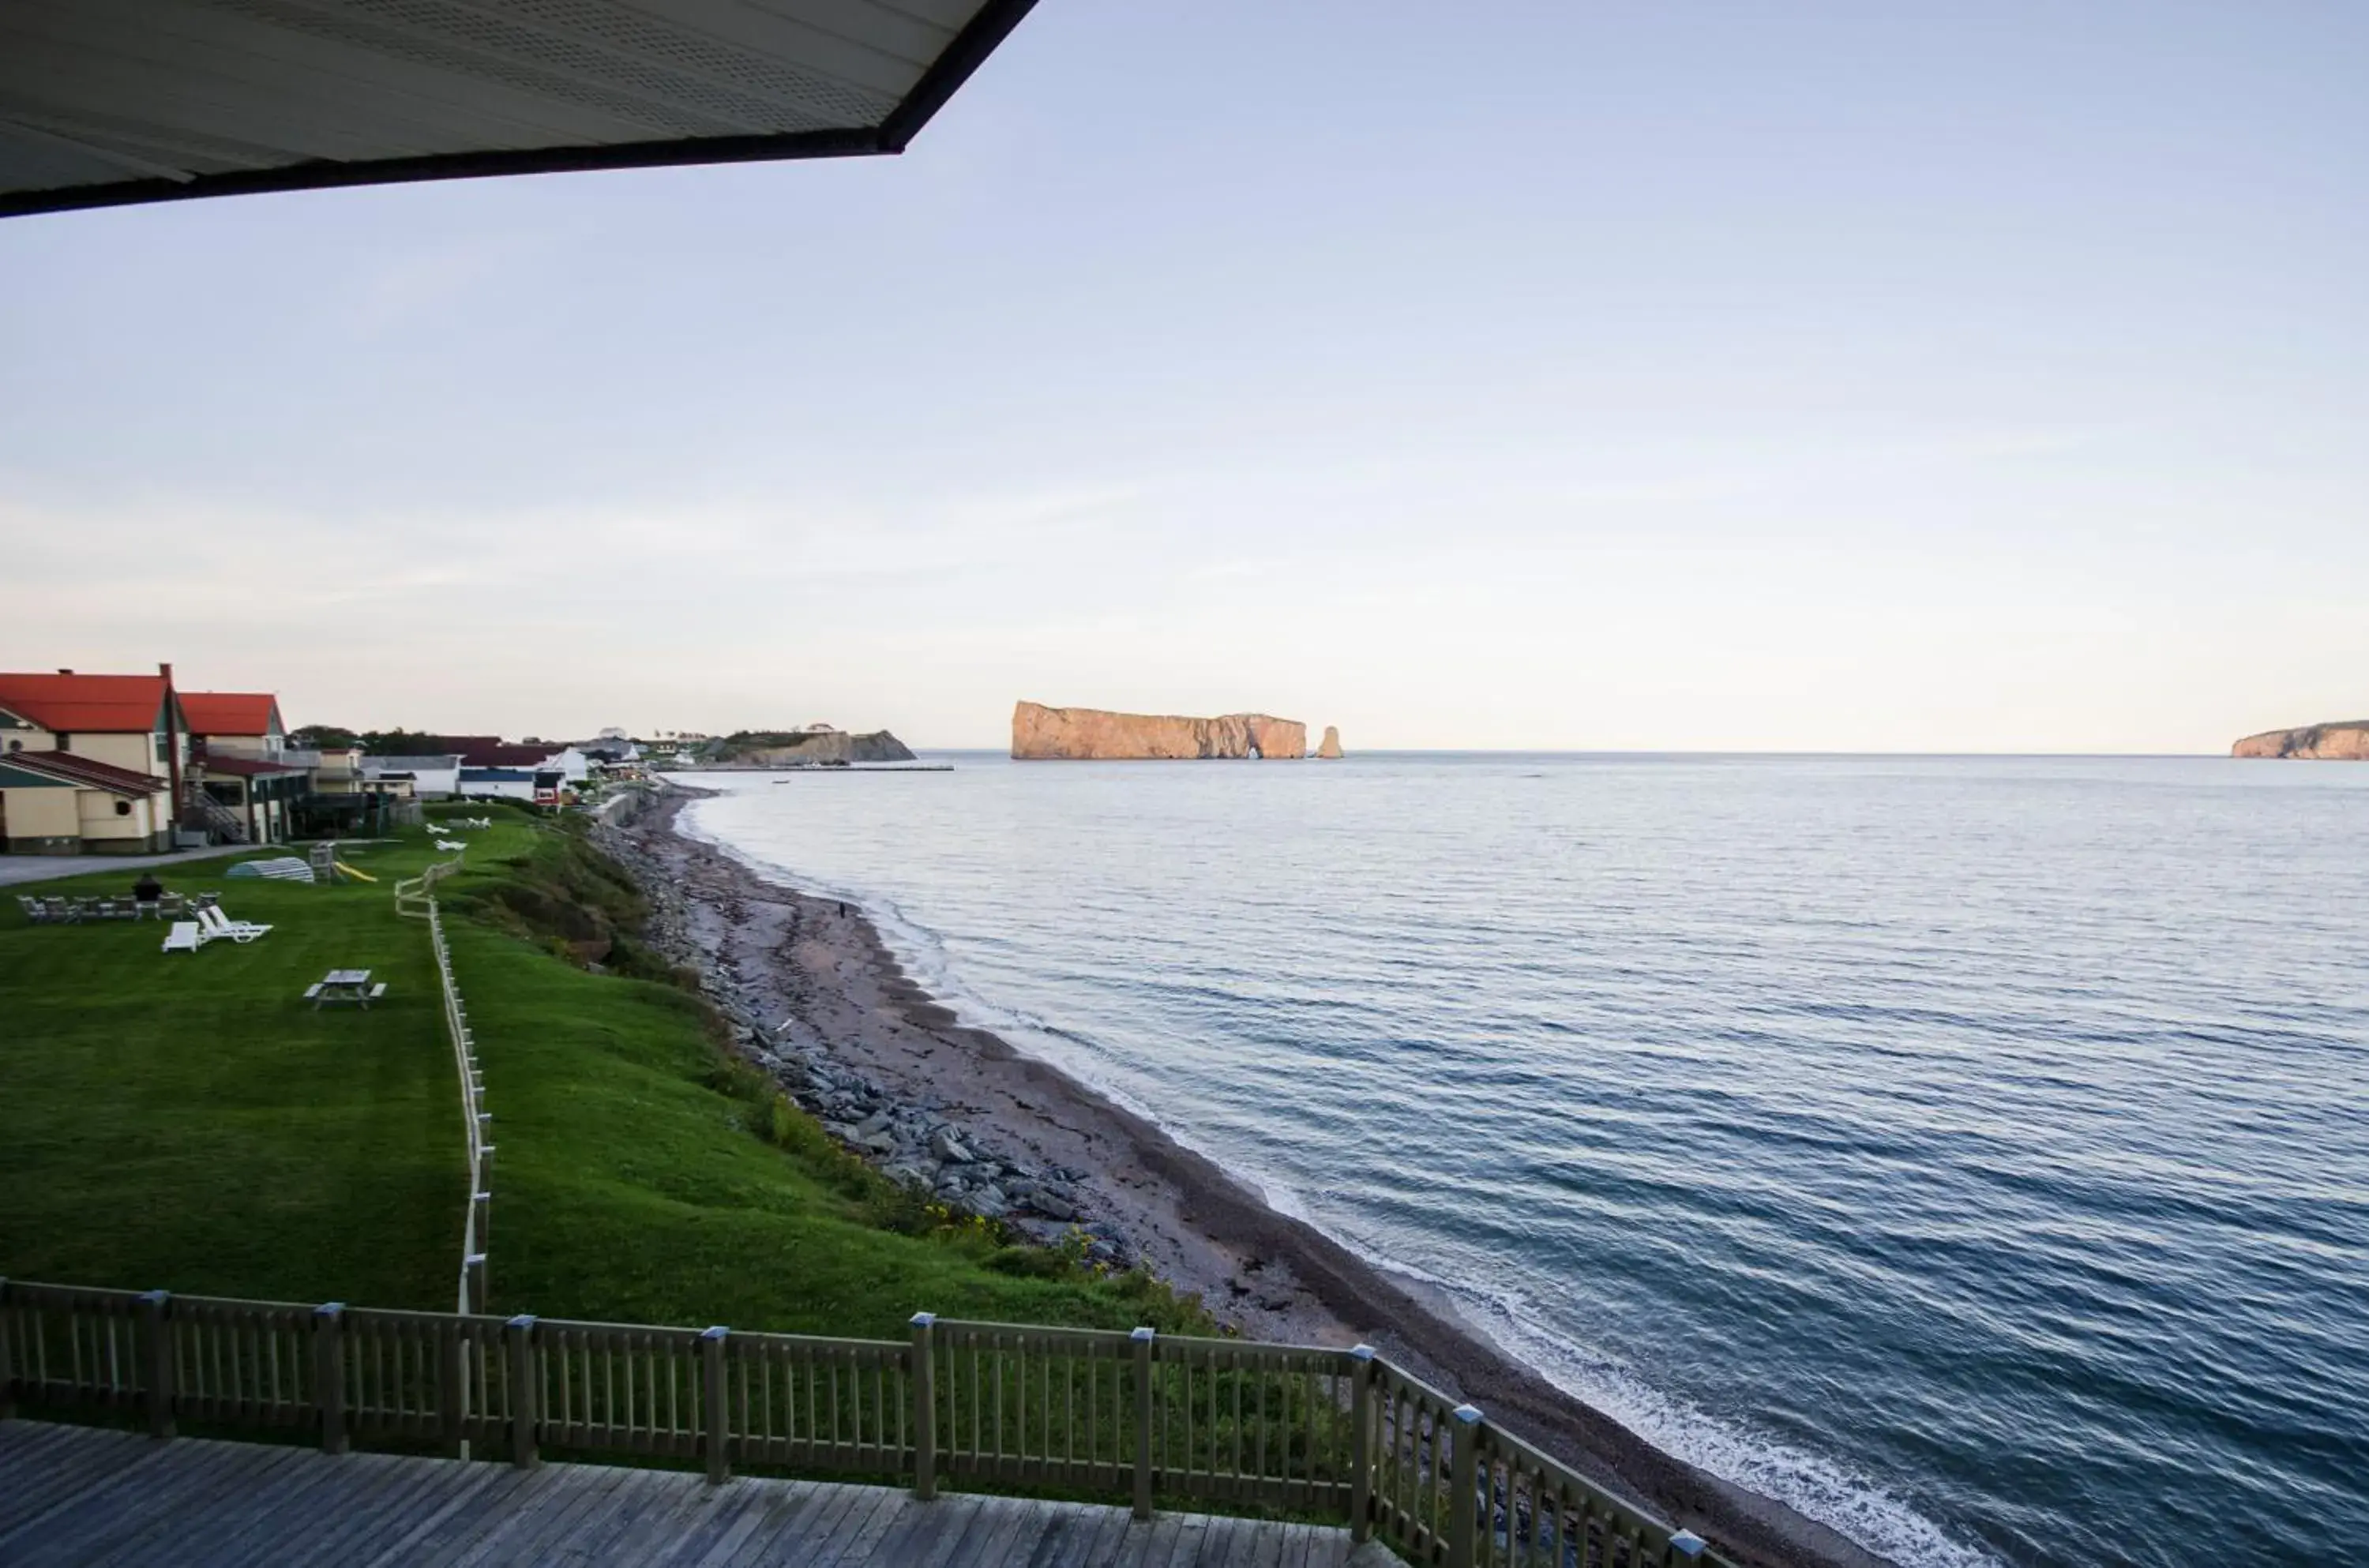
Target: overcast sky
1887, 376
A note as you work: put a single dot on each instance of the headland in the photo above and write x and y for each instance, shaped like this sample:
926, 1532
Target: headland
2346, 742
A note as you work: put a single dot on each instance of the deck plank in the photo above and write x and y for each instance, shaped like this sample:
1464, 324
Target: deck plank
48, 1472
861, 1534
926, 1529
743, 1543
115, 1499
741, 1504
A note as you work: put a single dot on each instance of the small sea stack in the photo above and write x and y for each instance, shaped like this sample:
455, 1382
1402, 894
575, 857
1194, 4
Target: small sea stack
1329, 746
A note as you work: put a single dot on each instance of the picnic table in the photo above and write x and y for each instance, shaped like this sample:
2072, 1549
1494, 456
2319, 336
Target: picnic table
341, 986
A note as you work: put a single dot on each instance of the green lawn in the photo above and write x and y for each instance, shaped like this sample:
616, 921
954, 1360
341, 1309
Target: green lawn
186, 1121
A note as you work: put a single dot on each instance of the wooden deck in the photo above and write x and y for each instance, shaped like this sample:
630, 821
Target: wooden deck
73, 1495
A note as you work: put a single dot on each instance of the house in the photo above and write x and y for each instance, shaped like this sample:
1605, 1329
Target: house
243, 782
89, 764
432, 777
498, 784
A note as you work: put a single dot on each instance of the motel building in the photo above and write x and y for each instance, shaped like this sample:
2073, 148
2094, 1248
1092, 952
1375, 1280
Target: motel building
246, 784
89, 764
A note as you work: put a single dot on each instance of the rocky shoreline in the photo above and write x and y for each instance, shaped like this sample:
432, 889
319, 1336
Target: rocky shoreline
820, 1004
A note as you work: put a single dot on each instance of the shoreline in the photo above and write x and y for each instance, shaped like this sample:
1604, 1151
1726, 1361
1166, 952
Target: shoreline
824, 1006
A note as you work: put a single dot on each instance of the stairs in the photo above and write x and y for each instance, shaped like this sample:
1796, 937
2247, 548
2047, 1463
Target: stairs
204, 811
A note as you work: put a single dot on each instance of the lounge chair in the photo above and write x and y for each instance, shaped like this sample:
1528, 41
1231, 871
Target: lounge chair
187, 937
218, 924
450, 844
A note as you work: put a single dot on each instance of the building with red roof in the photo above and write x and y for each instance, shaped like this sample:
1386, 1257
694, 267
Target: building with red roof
89, 763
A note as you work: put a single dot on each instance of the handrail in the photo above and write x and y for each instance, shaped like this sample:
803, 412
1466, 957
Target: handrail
1342, 1434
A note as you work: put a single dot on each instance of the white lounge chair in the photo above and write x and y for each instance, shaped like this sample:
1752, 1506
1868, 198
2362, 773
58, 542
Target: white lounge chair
450, 844
219, 924
187, 937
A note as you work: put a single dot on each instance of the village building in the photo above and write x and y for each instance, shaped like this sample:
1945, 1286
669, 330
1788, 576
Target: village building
89, 764
245, 783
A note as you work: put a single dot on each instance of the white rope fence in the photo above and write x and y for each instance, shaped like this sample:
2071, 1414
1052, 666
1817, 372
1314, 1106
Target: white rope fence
416, 898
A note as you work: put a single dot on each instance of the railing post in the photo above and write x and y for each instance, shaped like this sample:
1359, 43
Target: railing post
1464, 1475
481, 1217
161, 1378
520, 1336
921, 1376
473, 1270
1361, 1443
719, 1411
329, 1374
7, 1357
452, 1387
1142, 1338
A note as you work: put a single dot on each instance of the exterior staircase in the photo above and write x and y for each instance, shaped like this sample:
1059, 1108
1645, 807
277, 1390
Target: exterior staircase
204, 811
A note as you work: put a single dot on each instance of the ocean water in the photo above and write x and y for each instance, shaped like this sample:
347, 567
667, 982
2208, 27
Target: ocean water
1971, 1153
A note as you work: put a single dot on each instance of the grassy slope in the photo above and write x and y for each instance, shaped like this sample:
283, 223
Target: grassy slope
187, 1122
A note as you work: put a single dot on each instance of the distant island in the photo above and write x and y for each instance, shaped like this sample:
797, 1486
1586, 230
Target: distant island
2346, 741
1043, 734
817, 746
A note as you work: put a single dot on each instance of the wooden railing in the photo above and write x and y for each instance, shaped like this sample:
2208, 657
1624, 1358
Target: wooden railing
1328, 1434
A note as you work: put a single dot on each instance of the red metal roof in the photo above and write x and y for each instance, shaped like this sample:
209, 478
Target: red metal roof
87, 705
230, 712
68, 768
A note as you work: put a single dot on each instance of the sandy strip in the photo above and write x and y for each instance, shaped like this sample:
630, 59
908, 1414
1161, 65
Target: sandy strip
816, 974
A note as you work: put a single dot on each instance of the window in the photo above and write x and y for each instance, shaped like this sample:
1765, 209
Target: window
164, 740
124, 808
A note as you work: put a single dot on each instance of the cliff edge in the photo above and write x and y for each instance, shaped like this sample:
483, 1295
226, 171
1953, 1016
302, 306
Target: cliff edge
2345, 742
1043, 734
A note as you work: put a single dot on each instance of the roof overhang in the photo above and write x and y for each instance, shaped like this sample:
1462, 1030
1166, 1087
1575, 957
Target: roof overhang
106, 102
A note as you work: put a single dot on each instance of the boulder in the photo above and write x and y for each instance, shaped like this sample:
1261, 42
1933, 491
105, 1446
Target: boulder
950, 1148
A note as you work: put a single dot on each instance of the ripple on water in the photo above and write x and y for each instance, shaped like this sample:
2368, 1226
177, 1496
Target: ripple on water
1973, 1153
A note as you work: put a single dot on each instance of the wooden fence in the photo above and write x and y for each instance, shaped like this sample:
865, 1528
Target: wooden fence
1325, 1434
414, 897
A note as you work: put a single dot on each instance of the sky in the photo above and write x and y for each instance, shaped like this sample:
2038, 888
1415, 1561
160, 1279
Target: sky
1972, 377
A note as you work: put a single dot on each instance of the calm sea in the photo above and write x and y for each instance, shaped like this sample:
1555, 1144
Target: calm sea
1972, 1152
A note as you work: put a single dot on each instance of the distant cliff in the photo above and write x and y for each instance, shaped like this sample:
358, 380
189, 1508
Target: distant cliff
798, 748
1043, 734
2346, 742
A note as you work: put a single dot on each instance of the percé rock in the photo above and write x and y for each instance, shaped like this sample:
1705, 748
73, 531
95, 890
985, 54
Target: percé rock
1041, 734
2345, 742
1332, 743
796, 749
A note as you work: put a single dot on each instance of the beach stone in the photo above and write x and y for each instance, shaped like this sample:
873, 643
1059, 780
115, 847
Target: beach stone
878, 1142
1052, 1206
990, 1202
876, 1122
907, 1176
948, 1147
